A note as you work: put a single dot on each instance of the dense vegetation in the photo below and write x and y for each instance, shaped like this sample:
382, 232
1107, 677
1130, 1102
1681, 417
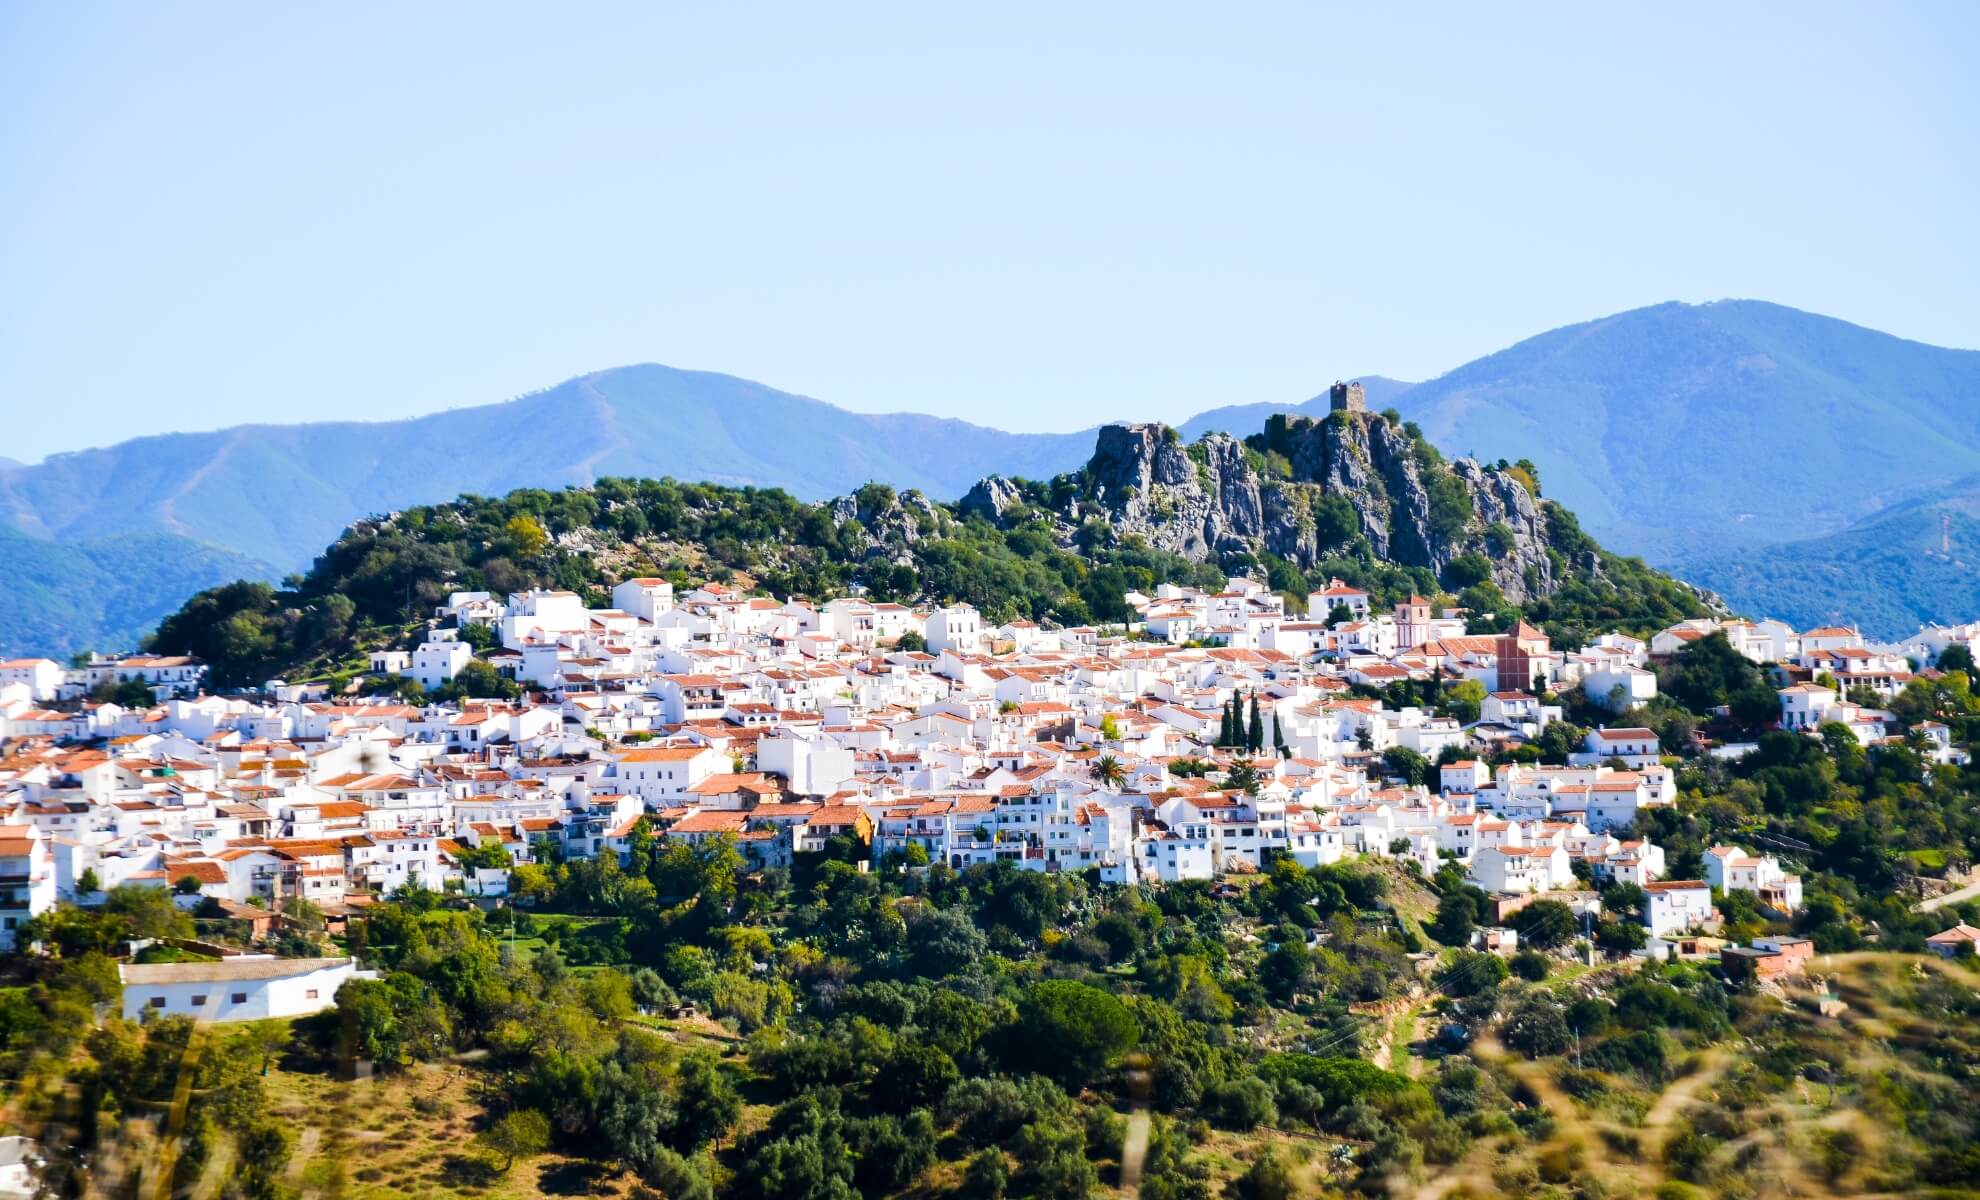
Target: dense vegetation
384, 576
891, 1019
980, 1033
1888, 575
104, 593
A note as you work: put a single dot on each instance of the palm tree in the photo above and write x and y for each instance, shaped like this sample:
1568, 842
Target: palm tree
1109, 771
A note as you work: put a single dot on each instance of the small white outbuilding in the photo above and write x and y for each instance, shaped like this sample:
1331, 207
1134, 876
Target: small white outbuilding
247, 988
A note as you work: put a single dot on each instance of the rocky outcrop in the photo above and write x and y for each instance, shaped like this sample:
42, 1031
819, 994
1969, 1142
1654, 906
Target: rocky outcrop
990, 499
1202, 501
890, 523
1305, 490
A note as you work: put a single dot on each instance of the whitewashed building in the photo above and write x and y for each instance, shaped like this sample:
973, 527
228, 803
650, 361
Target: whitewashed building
248, 988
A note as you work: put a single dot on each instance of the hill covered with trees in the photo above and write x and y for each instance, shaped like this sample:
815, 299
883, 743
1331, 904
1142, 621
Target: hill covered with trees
1367, 500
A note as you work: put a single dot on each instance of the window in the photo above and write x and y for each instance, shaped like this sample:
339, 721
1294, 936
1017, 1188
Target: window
158, 1002
310, 994
199, 1001
238, 998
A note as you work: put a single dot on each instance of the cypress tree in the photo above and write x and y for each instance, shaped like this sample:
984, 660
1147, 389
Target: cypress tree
1224, 731
1255, 735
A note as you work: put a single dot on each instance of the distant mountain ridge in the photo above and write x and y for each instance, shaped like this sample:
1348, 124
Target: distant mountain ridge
1684, 433
103, 592
282, 492
1913, 564
1679, 430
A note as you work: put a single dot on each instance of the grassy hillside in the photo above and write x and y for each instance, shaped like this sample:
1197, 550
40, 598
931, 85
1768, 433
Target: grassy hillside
1803, 1105
1789, 1103
999, 1033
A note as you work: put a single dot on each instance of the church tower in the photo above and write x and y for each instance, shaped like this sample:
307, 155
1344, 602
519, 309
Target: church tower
1412, 622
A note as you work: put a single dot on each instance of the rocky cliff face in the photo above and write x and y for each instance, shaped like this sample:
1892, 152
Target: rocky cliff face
1306, 490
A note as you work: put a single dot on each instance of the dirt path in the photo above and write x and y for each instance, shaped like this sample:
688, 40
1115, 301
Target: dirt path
1412, 1031
1959, 897
1134, 1148
1384, 1052
213, 1176
1450, 1180
306, 1143
1398, 1035
1685, 1091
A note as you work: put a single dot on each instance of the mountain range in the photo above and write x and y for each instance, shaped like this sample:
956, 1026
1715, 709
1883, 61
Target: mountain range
1694, 435
1679, 431
1912, 564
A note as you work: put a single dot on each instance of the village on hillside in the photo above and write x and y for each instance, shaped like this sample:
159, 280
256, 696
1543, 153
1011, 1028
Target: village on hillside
1216, 733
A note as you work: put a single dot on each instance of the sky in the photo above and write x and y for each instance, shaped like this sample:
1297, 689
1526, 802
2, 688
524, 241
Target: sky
1032, 218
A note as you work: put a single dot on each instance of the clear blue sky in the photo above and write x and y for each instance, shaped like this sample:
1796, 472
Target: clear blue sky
1037, 219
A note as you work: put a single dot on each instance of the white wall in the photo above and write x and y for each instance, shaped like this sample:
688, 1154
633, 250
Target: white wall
239, 1000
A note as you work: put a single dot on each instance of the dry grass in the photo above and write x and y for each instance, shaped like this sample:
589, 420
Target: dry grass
411, 1135
1766, 1140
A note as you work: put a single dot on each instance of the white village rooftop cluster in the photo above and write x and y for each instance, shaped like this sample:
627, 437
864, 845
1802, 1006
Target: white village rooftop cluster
786, 725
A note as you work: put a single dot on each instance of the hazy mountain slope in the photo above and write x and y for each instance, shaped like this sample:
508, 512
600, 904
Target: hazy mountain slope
1677, 428
280, 492
102, 594
1914, 564
1243, 420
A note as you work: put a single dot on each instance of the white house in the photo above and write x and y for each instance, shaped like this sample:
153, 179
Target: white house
811, 764
236, 989
1676, 904
1731, 869
647, 599
1951, 943
167, 675
1633, 747
1183, 852
27, 880
958, 627
437, 661
1806, 705
1518, 710
661, 775
41, 677
1463, 777
1321, 604
1512, 869
1618, 686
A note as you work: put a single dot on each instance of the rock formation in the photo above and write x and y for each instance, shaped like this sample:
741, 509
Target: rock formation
1284, 493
